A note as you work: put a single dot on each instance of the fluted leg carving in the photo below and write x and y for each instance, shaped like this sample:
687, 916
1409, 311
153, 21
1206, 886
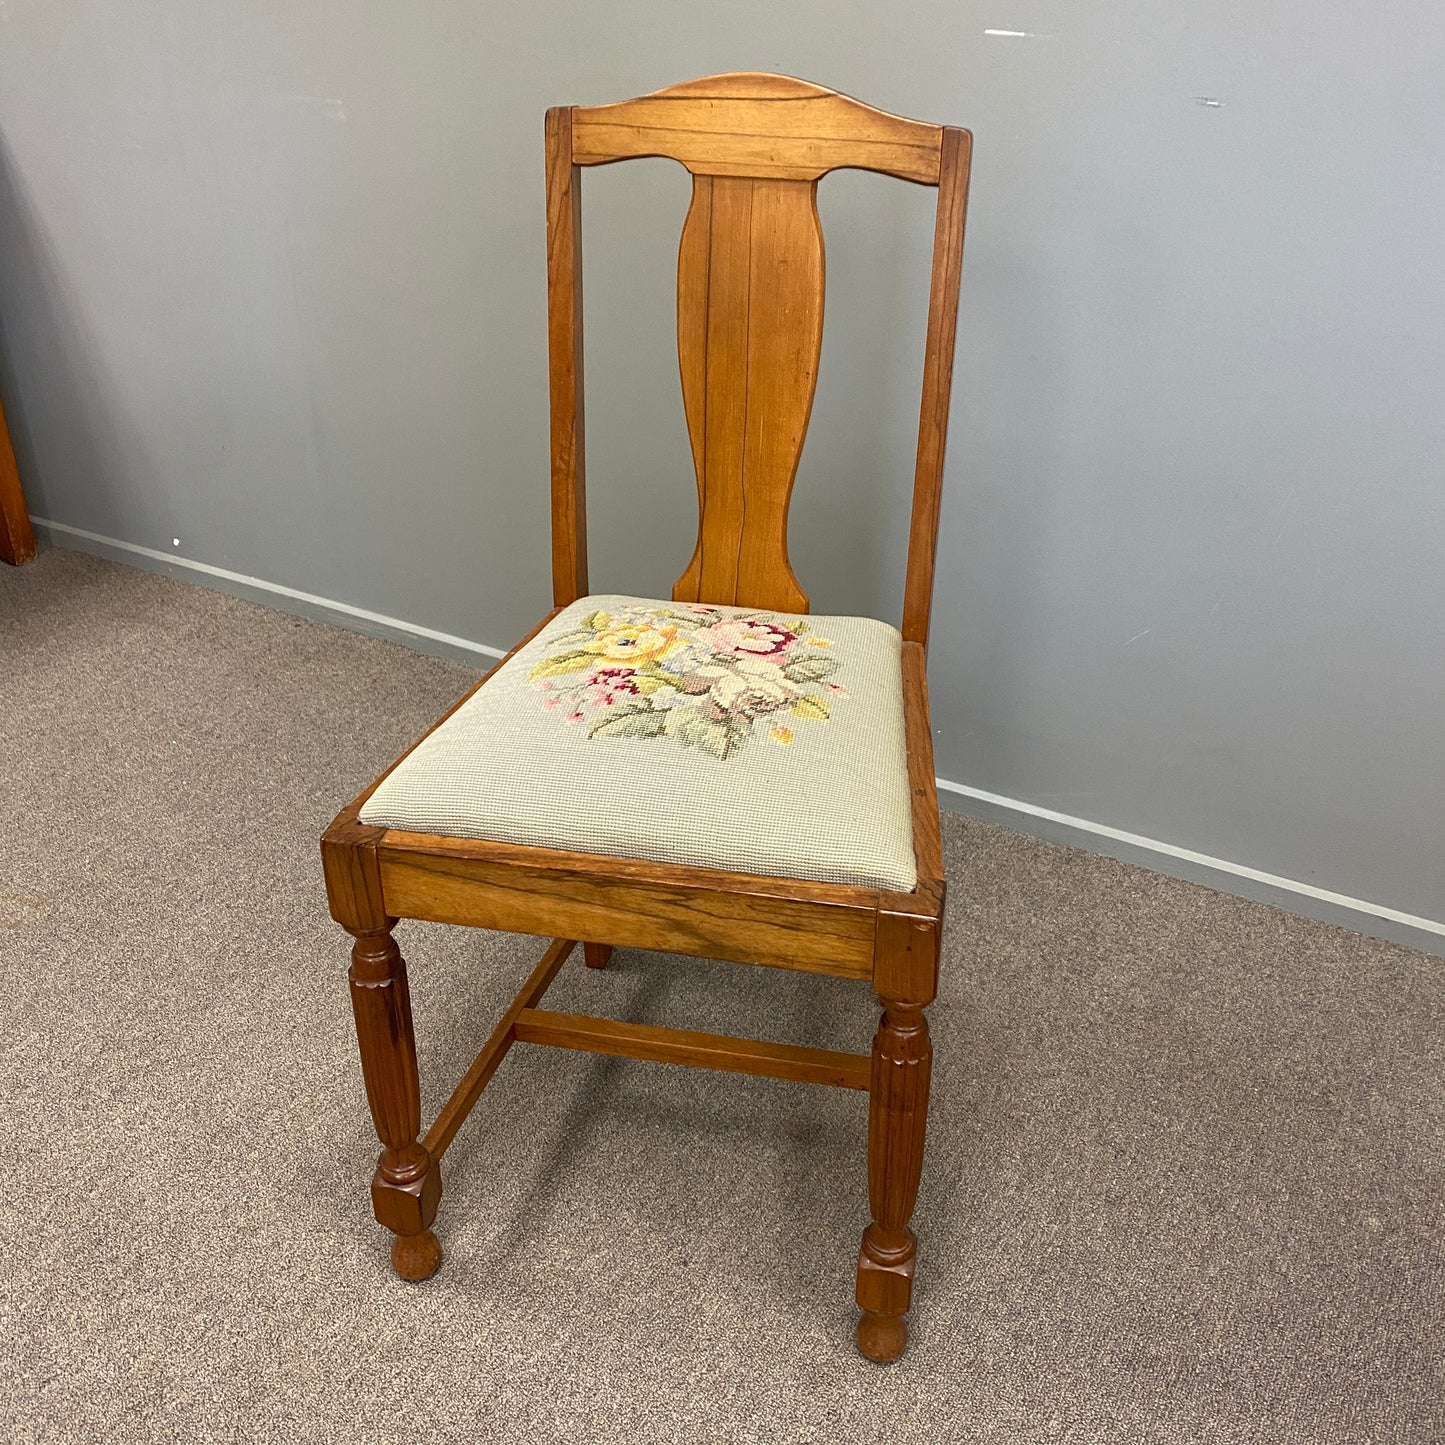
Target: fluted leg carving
897, 1117
407, 1184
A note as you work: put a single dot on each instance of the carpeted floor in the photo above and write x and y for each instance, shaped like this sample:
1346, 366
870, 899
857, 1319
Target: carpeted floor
1184, 1178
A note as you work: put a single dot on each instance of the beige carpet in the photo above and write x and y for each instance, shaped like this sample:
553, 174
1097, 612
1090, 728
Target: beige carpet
1184, 1180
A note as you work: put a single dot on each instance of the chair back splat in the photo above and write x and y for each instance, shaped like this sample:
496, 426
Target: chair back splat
749, 313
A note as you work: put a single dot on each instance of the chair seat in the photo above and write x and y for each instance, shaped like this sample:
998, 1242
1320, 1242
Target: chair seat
722, 737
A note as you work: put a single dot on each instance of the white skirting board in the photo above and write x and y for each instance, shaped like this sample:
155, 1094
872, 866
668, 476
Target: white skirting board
1294, 897
272, 594
1022, 817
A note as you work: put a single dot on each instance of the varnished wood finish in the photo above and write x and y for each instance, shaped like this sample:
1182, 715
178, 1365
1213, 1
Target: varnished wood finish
750, 307
765, 126
701, 1051
897, 1114
937, 382
454, 1112
922, 782
564, 350
407, 1184
909, 934
17, 541
636, 904
749, 331
353, 877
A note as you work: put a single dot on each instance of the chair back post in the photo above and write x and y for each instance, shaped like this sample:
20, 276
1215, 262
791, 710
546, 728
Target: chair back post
564, 357
937, 382
750, 309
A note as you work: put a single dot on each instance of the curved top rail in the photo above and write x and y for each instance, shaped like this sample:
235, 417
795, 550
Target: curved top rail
764, 126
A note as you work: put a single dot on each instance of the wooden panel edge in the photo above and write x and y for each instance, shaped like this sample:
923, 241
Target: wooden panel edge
603, 866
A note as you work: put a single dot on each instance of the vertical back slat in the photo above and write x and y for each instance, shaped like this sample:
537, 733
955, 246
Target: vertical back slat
750, 327
785, 339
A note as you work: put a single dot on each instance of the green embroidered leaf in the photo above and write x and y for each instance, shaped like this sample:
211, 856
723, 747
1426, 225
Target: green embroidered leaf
810, 669
598, 621
632, 722
714, 738
559, 666
648, 683
811, 706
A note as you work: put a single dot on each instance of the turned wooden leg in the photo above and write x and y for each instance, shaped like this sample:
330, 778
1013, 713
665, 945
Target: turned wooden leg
408, 1182
596, 954
897, 1116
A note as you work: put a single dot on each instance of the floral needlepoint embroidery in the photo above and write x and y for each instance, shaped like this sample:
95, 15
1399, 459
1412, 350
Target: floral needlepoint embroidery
691, 674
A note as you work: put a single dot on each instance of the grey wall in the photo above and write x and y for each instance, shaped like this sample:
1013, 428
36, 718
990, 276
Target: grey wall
271, 282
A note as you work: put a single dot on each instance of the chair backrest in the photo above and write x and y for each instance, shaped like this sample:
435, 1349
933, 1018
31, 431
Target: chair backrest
749, 312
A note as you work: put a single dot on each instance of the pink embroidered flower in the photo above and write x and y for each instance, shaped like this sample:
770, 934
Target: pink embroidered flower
739, 637
614, 677
606, 684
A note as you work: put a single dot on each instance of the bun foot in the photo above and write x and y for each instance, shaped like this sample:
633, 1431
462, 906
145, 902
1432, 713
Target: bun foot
882, 1337
416, 1256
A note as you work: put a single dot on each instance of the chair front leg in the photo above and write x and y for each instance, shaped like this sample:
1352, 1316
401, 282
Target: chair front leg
407, 1184
897, 1117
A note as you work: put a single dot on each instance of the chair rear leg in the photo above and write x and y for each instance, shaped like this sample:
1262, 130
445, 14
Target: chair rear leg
596, 954
897, 1118
407, 1184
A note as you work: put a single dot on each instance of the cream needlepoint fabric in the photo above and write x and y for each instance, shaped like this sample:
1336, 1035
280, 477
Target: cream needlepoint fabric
722, 737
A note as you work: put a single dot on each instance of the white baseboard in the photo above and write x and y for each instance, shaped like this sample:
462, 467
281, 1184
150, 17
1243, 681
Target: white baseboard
1287, 893
257, 589
1022, 817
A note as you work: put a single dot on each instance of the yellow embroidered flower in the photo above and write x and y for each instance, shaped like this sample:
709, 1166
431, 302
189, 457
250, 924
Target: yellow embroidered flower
706, 681
637, 643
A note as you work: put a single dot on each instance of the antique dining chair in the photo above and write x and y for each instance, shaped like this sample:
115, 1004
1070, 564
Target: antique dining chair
790, 816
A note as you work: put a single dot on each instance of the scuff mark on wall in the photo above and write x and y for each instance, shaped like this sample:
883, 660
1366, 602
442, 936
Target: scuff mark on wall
329, 106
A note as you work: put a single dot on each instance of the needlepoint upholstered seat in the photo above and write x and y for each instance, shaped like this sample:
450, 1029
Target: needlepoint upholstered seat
718, 773
717, 736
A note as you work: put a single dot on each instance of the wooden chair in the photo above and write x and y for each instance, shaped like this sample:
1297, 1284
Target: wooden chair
750, 302
17, 541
